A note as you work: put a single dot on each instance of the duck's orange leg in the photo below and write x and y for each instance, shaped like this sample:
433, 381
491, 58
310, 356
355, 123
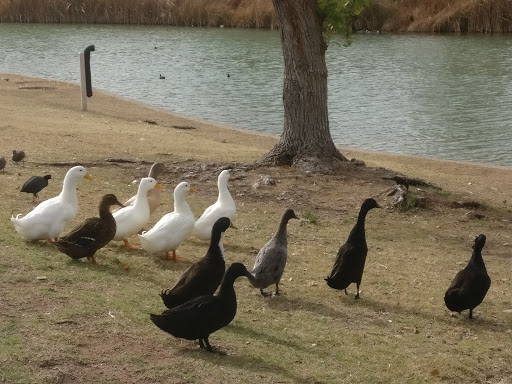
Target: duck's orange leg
92, 260
129, 245
174, 256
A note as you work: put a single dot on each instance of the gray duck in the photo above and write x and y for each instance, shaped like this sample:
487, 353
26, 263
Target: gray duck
35, 184
471, 284
196, 319
271, 259
351, 257
93, 234
204, 276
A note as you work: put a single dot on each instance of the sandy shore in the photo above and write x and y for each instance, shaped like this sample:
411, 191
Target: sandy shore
35, 111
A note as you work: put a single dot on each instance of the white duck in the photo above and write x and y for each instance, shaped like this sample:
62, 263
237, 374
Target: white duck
48, 219
153, 194
170, 231
131, 219
224, 207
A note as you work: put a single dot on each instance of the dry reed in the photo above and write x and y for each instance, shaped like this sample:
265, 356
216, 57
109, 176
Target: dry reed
485, 16
229, 13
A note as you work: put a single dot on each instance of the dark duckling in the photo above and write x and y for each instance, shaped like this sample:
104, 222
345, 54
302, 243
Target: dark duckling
271, 259
93, 234
204, 276
17, 156
35, 184
3, 163
470, 285
198, 318
351, 257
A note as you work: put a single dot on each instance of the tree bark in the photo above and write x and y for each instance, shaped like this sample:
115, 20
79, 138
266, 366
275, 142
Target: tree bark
306, 140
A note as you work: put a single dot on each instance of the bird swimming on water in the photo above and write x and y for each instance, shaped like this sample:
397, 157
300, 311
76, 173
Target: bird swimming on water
162, 77
351, 257
35, 184
471, 284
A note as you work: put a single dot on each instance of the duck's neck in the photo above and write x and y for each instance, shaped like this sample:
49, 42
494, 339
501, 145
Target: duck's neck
105, 213
224, 195
68, 192
226, 289
141, 200
154, 193
181, 206
476, 258
216, 245
282, 234
358, 229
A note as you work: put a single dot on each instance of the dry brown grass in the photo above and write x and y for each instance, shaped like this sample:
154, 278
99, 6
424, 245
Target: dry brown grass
89, 323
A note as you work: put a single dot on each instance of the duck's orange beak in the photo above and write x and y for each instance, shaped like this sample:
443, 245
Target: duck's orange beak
193, 189
88, 177
159, 186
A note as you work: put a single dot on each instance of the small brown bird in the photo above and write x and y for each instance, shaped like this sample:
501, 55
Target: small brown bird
3, 163
17, 156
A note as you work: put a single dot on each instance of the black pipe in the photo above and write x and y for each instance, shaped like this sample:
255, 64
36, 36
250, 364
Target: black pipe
87, 57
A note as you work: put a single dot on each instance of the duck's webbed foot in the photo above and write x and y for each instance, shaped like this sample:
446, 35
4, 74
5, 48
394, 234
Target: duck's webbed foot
205, 344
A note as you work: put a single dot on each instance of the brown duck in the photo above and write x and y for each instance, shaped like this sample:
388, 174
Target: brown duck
93, 234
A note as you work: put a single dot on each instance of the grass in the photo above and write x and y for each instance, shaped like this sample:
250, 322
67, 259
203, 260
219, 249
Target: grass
89, 323
310, 216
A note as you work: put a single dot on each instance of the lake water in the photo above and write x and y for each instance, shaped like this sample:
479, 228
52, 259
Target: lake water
446, 97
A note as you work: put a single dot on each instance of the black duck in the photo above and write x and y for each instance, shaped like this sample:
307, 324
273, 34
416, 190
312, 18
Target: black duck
17, 156
35, 184
470, 285
3, 162
351, 257
93, 234
203, 277
198, 318
271, 259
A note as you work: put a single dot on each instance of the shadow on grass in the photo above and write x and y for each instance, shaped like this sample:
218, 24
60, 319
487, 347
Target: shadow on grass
249, 333
254, 364
258, 365
284, 303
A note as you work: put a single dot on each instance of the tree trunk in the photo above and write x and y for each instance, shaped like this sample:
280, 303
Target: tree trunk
306, 140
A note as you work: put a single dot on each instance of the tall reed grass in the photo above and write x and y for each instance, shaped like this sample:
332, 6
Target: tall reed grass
485, 16
229, 13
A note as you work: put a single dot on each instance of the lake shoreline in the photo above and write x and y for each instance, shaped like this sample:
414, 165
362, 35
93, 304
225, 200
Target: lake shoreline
20, 99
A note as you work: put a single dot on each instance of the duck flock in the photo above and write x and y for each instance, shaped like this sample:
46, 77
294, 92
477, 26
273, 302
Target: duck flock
193, 310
